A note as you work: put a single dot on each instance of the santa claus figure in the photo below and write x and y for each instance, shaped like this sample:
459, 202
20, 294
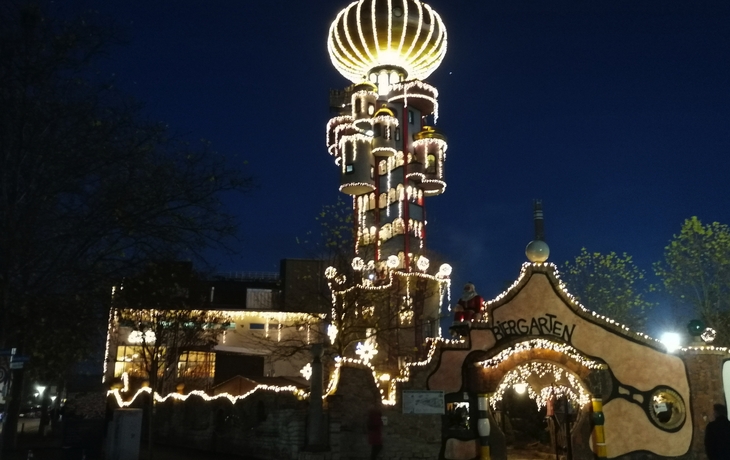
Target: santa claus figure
469, 307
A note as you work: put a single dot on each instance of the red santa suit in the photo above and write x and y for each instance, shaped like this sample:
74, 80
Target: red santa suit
469, 305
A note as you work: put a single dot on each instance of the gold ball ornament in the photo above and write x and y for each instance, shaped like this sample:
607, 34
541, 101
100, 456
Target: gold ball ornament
537, 251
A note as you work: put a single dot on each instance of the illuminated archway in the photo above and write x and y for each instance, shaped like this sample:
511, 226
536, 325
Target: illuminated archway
543, 381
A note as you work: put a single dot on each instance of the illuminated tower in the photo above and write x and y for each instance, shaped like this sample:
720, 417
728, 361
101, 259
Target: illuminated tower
391, 159
389, 154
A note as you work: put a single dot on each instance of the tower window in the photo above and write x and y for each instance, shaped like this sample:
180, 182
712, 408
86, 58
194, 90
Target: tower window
371, 109
358, 105
397, 134
349, 169
410, 117
431, 168
378, 130
372, 172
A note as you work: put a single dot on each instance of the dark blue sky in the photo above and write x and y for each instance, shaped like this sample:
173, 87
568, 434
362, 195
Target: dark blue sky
615, 112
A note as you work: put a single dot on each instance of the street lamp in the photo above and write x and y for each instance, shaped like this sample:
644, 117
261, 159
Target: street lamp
672, 341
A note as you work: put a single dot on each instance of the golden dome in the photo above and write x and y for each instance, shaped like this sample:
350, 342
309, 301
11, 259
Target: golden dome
406, 34
385, 111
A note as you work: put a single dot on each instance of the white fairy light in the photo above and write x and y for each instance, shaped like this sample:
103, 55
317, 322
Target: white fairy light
182, 397
565, 384
393, 262
445, 271
358, 264
708, 335
542, 344
354, 55
136, 337
306, 371
332, 333
366, 351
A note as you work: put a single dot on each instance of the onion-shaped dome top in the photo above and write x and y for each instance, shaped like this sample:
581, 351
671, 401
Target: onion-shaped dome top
368, 34
365, 86
384, 111
429, 132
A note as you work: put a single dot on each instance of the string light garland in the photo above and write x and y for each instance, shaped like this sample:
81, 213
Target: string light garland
550, 268
543, 344
111, 322
572, 388
182, 397
354, 55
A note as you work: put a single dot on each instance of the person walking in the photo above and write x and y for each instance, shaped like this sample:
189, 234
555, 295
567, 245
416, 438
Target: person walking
375, 432
717, 435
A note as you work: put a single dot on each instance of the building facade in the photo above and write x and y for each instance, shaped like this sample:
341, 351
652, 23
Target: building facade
264, 325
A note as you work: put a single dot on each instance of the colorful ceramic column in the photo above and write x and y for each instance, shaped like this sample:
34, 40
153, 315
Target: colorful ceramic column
599, 437
483, 426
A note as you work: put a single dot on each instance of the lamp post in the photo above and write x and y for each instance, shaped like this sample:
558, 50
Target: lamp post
315, 439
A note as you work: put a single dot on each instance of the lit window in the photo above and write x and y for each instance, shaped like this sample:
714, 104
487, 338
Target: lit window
411, 117
196, 365
371, 109
129, 360
431, 168
349, 169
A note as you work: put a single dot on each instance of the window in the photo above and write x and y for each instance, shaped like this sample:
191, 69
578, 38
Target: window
372, 172
129, 360
666, 409
431, 164
358, 105
259, 299
378, 130
371, 109
196, 365
257, 326
349, 169
397, 134
411, 117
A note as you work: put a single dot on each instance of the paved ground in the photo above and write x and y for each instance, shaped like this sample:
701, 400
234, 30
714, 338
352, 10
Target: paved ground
35, 447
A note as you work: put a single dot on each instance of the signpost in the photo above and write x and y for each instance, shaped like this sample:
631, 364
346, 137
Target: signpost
11, 365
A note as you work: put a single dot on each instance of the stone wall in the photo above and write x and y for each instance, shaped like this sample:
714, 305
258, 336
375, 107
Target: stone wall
705, 380
266, 425
405, 436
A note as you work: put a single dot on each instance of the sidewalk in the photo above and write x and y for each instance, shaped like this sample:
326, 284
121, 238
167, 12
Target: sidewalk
48, 448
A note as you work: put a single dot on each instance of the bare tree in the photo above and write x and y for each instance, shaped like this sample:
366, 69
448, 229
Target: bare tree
359, 304
167, 321
88, 190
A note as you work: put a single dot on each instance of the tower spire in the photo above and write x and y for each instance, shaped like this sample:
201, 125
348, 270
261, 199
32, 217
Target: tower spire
538, 218
538, 251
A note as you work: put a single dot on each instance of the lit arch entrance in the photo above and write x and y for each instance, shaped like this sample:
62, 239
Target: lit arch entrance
539, 393
641, 392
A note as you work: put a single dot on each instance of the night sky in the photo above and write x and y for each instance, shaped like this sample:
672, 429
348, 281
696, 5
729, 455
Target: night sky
614, 112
